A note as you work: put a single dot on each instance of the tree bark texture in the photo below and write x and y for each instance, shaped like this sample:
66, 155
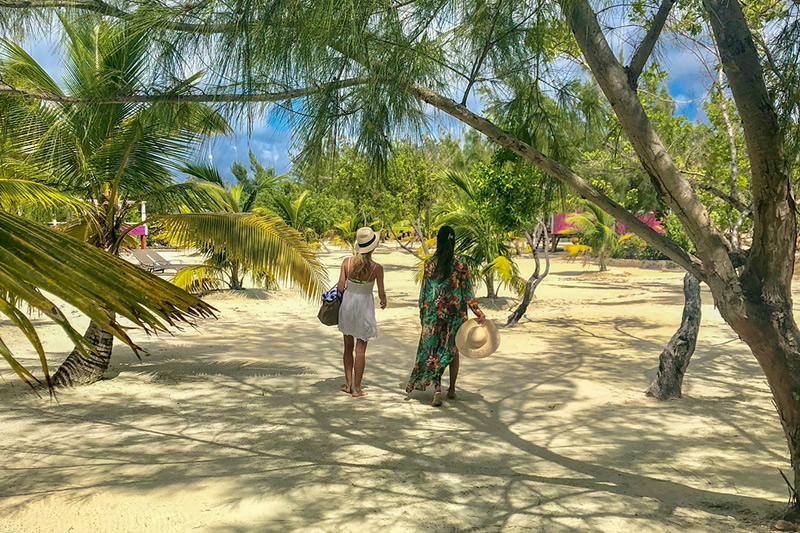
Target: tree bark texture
765, 320
421, 237
535, 279
78, 369
490, 292
674, 360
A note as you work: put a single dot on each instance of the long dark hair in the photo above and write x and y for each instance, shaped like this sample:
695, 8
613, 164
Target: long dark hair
445, 248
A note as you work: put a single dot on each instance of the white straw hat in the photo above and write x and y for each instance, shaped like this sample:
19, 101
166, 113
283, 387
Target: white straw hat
366, 240
476, 341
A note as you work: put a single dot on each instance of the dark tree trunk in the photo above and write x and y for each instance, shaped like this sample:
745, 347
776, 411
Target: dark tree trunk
674, 360
535, 279
78, 369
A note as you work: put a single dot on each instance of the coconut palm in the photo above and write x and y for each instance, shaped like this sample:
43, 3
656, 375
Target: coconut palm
481, 243
114, 155
599, 236
96, 283
346, 230
220, 268
294, 211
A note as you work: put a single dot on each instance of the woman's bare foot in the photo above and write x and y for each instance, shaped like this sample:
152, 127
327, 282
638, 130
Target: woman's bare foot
346, 388
451, 394
357, 393
437, 398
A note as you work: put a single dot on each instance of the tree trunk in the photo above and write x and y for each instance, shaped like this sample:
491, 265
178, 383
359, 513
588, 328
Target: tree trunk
78, 369
534, 281
236, 282
762, 314
674, 360
421, 237
602, 259
490, 292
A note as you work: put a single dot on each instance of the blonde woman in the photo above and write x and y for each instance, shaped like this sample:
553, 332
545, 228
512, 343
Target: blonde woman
357, 323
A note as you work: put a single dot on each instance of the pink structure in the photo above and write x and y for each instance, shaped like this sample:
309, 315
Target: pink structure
138, 231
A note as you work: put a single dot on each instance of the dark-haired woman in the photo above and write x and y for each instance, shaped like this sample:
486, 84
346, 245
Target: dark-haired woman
443, 300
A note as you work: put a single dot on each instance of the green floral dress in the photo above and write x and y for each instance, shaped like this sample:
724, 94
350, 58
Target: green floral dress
442, 310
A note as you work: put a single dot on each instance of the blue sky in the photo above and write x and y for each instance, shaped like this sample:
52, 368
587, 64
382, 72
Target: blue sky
270, 138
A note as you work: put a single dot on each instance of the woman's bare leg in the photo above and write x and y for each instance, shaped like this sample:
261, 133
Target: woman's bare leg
360, 363
347, 359
451, 392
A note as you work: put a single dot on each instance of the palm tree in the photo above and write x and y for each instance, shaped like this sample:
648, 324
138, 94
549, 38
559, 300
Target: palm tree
220, 268
96, 283
480, 242
598, 234
346, 230
294, 212
114, 155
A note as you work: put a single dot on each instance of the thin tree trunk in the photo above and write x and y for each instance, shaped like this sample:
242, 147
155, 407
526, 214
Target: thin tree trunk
734, 163
535, 279
236, 282
674, 360
421, 236
78, 369
490, 292
403, 245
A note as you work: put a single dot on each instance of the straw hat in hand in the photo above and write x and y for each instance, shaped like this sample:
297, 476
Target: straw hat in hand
477, 341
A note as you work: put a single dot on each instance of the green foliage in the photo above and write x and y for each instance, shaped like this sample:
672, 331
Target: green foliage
598, 232
89, 279
512, 196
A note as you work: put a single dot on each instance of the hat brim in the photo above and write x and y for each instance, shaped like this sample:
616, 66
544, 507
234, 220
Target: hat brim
484, 351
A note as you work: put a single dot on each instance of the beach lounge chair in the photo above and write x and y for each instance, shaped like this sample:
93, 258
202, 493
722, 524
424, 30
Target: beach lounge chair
152, 261
162, 264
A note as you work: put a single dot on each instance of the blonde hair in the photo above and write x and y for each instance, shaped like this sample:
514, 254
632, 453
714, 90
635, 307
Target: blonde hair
360, 266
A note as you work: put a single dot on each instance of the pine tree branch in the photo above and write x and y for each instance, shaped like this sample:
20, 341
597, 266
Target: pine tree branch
722, 195
172, 98
559, 172
645, 48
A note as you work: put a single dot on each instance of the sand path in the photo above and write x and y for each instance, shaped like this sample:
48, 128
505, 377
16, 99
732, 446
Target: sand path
239, 426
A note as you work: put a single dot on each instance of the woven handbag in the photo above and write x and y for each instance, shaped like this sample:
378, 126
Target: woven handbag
329, 311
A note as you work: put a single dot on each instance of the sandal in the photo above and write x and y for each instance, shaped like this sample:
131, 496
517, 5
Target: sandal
437, 399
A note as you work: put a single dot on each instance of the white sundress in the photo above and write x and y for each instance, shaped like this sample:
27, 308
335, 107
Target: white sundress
357, 311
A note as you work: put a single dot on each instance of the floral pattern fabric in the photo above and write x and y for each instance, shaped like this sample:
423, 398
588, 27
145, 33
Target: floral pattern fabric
442, 311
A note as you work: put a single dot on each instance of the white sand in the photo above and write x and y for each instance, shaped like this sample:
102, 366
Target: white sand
239, 425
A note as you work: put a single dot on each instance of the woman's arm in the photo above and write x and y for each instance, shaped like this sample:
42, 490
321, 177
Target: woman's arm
469, 295
381, 290
342, 277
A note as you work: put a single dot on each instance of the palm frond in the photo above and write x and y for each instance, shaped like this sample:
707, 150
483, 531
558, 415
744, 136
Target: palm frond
21, 193
87, 278
460, 180
259, 243
199, 279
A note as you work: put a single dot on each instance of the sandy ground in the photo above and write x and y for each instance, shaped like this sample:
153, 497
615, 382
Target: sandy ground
239, 425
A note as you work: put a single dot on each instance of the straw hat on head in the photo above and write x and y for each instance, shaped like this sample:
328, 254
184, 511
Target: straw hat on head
366, 240
476, 341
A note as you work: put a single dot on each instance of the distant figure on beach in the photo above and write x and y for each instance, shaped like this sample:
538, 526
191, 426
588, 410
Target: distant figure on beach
357, 312
443, 300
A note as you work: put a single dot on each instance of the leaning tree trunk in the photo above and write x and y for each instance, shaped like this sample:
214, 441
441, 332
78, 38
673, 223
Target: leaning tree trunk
535, 279
674, 360
78, 369
418, 230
